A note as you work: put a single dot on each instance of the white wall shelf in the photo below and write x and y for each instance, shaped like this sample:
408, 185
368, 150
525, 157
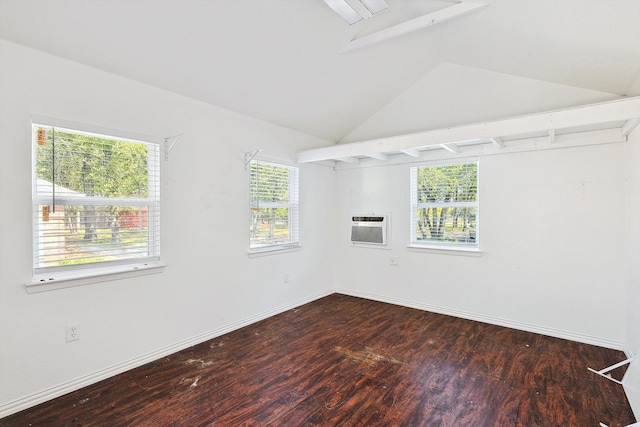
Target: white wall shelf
607, 122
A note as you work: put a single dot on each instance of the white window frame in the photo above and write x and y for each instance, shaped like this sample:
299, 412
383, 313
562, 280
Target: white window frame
58, 277
435, 246
293, 206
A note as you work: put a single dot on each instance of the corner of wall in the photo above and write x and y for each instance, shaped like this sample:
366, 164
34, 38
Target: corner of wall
632, 213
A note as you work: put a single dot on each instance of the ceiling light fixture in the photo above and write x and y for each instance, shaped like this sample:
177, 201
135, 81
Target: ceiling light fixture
375, 6
353, 11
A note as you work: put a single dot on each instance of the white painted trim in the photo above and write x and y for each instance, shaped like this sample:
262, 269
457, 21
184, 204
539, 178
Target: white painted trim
497, 141
411, 152
629, 126
261, 156
452, 148
378, 156
93, 129
31, 400
60, 280
566, 141
606, 112
273, 250
348, 160
446, 250
557, 333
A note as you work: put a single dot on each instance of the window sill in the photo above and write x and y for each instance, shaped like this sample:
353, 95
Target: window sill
273, 250
446, 250
53, 281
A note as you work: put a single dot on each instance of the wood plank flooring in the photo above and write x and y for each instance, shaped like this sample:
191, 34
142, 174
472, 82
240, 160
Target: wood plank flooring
345, 361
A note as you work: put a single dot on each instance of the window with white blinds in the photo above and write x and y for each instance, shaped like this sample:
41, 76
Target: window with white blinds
444, 206
96, 200
273, 205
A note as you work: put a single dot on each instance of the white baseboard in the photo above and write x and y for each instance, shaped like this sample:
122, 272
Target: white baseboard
557, 333
31, 400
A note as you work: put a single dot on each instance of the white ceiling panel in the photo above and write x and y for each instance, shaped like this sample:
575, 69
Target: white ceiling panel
281, 60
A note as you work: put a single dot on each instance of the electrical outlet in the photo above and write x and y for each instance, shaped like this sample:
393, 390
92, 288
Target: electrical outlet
286, 277
73, 333
394, 260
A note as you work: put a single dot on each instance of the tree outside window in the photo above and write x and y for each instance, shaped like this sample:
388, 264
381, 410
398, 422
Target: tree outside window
444, 201
273, 205
96, 198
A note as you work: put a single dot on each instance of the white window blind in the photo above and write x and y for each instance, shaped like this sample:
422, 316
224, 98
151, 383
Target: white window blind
96, 200
444, 205
273, 205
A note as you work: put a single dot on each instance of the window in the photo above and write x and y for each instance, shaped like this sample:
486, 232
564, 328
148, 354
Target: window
95, 200
273, 205
444, 206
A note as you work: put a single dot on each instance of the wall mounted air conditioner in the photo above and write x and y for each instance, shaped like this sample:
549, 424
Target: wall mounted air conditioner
369, 229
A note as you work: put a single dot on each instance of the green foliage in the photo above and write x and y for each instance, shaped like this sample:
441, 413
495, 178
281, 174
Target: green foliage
92, 165
98, 167
81, 261
270, 203
448, 183
441, 186
269, 183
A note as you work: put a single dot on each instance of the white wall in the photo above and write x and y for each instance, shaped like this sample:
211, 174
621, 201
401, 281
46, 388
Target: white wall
633, 243
552, 240
632, 225
209, 285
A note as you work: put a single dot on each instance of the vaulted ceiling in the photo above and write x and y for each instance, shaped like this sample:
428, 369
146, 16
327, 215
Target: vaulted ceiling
281, 60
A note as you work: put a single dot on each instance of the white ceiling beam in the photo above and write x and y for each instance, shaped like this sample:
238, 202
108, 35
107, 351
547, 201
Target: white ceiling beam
411, 152
329, 163
351, 160
412, 25
629, 126
497, 142
452, 148
568, 140
552, 136
378, 156
606, 112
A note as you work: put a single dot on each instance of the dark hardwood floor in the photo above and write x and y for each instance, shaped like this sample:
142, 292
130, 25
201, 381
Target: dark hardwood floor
345, 361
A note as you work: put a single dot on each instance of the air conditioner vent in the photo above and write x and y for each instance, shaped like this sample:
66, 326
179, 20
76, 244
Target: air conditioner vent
369, 229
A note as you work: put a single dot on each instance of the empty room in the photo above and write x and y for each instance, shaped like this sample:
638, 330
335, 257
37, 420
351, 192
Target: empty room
320, 212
